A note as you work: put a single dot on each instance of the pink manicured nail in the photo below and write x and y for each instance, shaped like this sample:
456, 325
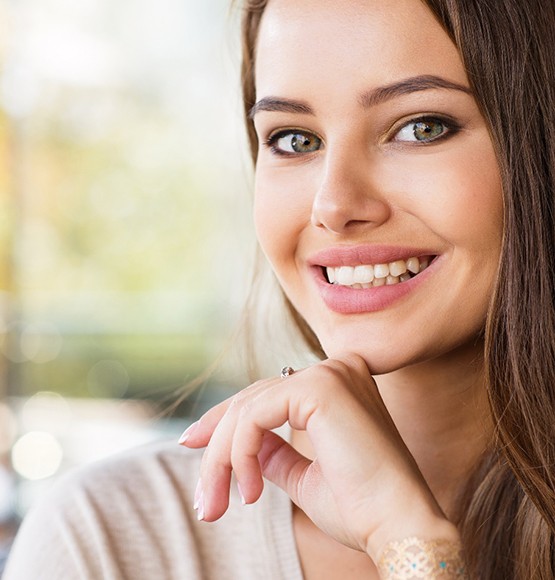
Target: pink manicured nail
243, 501
187, 432
198, 492
200, 513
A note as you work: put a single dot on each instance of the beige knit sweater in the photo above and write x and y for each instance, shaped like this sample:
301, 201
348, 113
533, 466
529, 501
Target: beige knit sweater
131, 518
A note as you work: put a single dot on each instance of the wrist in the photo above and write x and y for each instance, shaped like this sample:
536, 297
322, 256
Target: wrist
413, 558
427, 528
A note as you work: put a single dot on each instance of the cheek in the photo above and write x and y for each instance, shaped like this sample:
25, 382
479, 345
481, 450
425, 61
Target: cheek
458, 197
473, 216
281, 213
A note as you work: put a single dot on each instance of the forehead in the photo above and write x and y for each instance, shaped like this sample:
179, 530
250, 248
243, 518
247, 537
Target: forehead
344, 45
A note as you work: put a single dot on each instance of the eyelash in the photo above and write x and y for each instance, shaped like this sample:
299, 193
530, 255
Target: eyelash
451, 126
275, 137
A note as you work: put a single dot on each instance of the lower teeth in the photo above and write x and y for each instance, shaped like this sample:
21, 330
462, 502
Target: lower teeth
389, 281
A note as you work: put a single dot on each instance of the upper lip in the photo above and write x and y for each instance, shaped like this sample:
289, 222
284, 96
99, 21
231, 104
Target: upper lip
366, 254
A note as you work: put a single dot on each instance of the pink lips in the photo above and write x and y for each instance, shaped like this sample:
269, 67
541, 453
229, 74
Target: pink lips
374, 254
345, 300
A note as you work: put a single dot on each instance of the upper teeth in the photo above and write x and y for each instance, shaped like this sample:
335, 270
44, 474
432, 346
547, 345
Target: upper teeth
380, 274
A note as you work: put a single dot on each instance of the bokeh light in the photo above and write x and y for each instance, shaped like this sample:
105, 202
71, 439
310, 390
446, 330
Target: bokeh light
46, 411
40, 342
37, 455
108, 378
8, 428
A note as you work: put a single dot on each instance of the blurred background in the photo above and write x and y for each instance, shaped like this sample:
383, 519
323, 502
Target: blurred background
125, 230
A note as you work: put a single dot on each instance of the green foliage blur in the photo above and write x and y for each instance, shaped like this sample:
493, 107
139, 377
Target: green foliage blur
125, 232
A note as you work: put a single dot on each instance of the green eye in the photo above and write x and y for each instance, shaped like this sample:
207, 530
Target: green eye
423, 130
294, 142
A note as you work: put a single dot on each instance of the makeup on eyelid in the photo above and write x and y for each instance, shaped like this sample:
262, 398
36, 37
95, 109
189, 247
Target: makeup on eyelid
424, 130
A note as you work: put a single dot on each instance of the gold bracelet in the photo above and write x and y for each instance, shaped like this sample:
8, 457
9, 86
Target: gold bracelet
413, 559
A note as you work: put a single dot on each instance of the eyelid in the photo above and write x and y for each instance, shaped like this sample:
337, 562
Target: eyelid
452, 125
276, 134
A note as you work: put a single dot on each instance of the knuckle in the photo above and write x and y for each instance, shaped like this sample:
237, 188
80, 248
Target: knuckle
347, 367
334, 370
245, 409
236, 458
235, 403
358, 364
247, 392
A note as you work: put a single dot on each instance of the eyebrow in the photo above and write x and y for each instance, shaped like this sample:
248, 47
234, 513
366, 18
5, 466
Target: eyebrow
411, 85
275, 104
367, 99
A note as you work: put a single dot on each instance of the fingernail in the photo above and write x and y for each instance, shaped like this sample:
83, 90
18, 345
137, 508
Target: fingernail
187, 432
200, 513
241, 494
198, 492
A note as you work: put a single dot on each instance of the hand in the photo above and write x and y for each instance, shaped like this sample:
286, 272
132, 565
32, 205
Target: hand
363, 488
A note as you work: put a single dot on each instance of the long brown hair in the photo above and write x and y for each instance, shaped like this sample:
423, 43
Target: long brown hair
508, 48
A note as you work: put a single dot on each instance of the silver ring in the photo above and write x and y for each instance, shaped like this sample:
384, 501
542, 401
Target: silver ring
286, 372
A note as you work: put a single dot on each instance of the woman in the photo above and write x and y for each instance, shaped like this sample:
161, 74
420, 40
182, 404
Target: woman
404, 179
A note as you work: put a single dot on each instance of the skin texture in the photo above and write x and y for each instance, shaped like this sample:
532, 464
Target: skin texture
362, 187
390, 451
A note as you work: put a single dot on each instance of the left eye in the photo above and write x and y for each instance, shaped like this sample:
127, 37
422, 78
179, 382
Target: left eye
295, 142
422, 130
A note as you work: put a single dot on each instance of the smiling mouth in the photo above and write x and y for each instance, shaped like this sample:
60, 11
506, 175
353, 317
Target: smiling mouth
374, 275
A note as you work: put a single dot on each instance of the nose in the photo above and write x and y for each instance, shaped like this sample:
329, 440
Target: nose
348, 197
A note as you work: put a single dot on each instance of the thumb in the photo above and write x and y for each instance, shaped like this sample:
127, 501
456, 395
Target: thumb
283, 465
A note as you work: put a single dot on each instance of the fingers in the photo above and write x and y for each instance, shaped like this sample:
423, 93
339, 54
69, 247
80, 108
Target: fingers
276, 460
234, 445
238, 434
283, 465
257, 452
199, 433
239, 439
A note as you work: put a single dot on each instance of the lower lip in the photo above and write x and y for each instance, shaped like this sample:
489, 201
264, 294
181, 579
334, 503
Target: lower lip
345, 300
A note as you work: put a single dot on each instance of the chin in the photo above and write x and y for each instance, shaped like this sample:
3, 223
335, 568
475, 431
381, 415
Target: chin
380, 360
383, 357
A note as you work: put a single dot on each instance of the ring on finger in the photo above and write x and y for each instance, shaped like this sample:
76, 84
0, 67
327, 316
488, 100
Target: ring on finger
286, 372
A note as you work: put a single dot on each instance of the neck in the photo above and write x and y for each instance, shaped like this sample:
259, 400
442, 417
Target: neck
440, 409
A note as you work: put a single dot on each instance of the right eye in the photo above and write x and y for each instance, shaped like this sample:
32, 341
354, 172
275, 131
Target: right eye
291, 142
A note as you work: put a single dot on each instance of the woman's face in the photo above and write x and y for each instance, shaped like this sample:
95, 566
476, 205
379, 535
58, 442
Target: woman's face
374, 159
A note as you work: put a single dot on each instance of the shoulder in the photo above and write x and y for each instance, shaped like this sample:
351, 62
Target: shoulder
151, 479
96, 521
143, 472
132, 516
